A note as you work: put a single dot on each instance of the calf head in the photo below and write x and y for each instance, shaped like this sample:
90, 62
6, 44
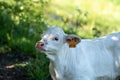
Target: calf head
54, 38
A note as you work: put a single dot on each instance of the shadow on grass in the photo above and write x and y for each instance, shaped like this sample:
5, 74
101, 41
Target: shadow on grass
12, 66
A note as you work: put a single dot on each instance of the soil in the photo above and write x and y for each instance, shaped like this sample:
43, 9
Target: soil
8, 70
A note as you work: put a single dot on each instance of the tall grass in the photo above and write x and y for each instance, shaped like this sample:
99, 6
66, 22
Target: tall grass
85, 15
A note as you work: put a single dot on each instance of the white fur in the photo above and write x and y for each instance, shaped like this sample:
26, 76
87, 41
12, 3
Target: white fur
89, 60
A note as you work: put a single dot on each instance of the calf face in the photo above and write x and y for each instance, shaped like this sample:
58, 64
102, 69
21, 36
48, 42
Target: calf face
54, 38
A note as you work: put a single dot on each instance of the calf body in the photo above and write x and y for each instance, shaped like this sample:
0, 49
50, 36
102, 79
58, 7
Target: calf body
90, 59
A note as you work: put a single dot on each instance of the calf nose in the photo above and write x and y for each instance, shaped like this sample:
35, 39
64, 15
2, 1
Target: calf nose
39, 45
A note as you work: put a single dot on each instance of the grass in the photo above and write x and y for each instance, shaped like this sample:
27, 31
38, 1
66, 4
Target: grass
99, 14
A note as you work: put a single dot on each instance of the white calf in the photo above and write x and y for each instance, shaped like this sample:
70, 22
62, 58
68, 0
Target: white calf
90, 59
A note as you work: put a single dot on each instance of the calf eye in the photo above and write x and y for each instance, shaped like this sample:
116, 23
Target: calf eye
55, 38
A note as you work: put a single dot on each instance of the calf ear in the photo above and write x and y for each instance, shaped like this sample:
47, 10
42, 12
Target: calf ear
72, 40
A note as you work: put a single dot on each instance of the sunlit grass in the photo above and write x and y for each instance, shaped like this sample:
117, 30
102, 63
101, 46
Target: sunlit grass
98, 7
102, 14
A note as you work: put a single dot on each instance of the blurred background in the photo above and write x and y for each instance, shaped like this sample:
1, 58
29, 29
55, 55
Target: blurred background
22, 23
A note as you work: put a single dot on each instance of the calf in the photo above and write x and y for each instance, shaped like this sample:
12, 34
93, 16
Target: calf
72, 58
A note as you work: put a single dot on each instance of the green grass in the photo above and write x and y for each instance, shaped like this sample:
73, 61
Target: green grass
87, 14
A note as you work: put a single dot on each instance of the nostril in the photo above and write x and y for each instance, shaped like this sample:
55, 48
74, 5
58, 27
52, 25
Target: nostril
41, 44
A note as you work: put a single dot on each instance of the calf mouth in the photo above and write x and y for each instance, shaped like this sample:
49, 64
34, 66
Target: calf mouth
41, 49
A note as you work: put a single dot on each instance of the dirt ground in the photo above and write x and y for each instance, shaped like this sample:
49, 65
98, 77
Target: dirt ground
7, 69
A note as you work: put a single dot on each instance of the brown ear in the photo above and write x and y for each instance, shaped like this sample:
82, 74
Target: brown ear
72, 40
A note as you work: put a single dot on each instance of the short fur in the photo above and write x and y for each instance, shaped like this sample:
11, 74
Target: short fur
89, 60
